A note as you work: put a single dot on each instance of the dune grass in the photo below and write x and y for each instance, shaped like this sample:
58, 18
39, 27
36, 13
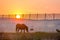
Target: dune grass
27, 36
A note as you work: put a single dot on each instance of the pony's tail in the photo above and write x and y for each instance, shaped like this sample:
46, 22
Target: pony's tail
16, 29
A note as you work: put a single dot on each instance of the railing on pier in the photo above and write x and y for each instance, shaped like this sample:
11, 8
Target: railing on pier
34, 16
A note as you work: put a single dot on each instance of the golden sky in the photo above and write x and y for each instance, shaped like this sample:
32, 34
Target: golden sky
29, 6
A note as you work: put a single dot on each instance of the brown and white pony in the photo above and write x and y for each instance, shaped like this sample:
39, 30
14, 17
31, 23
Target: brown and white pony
21, 27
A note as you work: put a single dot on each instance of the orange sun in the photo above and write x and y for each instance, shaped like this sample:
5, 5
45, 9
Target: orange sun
17, 16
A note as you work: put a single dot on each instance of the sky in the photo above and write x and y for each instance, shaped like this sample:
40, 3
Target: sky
29, 6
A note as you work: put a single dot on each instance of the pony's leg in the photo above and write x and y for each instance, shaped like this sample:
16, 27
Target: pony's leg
17, 30
24, 30
21, 30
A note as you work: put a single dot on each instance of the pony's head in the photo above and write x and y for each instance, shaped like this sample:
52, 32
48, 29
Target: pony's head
27, 29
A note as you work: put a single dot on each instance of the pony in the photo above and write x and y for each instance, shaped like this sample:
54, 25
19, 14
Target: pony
21, 27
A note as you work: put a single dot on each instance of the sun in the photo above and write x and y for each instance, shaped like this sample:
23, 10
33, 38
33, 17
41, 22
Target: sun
18, 16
